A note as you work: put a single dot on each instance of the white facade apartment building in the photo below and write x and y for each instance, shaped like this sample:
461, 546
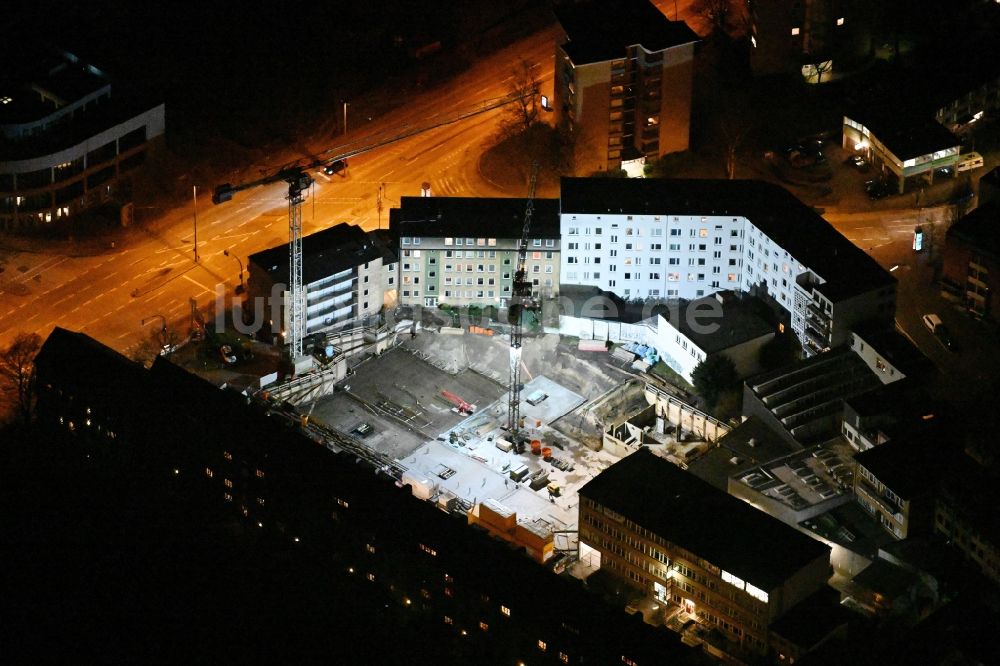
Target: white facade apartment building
670, 239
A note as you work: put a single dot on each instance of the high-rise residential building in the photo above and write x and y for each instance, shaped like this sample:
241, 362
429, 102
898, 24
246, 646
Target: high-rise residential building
623, 82
464, 251
348, 275
671, 239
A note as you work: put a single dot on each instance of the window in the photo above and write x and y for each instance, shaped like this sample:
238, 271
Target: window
840, 21
449, 241
542, 645
505, 611
484, 626
703, 233
795, 31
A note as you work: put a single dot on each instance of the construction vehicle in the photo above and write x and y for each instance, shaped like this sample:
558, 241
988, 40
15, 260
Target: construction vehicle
331, 161
521, 299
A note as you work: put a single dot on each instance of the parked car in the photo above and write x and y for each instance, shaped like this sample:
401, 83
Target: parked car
227, 355
860, 163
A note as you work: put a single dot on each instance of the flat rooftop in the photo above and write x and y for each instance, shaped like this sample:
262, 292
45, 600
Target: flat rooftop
737, 321
324, 253
713, 525
481, 217
600, 31
802, 479
750, 444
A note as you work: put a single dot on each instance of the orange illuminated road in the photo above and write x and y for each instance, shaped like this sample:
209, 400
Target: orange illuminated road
108, 296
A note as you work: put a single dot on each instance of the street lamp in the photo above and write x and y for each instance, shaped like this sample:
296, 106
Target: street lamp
194, 195
240, 289
345, 116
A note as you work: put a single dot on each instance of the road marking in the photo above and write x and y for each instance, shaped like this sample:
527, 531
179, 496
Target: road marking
198, 284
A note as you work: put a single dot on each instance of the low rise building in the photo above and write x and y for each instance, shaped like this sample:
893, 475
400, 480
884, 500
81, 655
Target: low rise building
804, 402
889, 354
463, 251
725, 323
896, 483
67, 143
667, 533
344, 273
886, 412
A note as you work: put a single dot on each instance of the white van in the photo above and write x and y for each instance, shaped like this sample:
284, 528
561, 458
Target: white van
932, 321
969, 162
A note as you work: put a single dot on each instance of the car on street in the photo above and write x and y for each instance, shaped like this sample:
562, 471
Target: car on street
940, 330
877, 189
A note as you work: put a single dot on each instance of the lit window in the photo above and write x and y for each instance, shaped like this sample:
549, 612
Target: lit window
260, 501
342, 503
208, 472
795, 31
484, 626
370, 548
371, 577
5, 100
840, 21
541, 645
563, 657
227, 455
227, 483
505, 611
428, 550
260, 474
448, 620
229, 498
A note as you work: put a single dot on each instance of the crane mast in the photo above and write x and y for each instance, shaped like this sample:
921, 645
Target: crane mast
334, 160
521, 299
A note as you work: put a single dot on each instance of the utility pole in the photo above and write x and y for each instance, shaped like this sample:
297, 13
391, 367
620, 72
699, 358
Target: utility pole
345, 116
378, 203
194, 192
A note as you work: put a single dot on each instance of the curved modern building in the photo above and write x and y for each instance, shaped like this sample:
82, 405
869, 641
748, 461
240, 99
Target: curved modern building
66, 143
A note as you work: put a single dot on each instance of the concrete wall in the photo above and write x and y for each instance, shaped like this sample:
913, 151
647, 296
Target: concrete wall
684, 416
675, 99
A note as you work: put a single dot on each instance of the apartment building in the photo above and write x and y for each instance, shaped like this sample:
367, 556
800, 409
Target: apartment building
67, 143
623, 82
463, 251
965, 514
346, 272
682, 541
811, 37
895, 482
972, 260
672, 239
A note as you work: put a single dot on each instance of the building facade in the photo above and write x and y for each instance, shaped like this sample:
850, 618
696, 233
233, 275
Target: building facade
971, 272
68, 145
623, 82
646, 518
673, 239
811, 37
347, 275
463, 251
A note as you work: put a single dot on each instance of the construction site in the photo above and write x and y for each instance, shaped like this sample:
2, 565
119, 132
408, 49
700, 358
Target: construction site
437, 405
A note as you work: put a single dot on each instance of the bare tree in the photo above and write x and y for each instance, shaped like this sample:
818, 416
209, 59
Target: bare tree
726, 17
518, 117
17, 371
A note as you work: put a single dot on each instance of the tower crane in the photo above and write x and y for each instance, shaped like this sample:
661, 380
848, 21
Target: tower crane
521, 299
331, 161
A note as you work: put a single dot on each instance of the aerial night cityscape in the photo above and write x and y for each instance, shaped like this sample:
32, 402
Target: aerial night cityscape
512, 332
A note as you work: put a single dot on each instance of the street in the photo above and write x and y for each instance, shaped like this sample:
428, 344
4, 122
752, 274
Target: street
107, 296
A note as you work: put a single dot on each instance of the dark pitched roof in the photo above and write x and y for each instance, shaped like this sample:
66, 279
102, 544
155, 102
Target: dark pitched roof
474, 216
774, 210
324, 253
593, 303
738, 323
979, 229
84, 361
605, 30
694, 515
813, 619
